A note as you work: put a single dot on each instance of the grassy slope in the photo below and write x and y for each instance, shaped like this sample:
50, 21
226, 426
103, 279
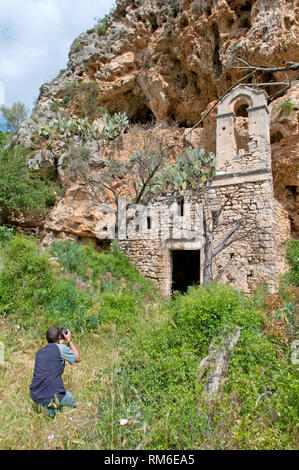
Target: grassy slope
140, 359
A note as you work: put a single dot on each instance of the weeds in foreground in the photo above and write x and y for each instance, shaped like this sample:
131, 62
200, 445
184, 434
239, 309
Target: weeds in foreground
137, 383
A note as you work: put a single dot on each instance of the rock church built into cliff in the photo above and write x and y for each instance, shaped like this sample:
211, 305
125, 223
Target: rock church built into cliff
170, 253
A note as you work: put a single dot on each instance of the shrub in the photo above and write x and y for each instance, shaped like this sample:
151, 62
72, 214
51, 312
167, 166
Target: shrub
94, 288
54, 107
76, 47
20, 188
76, 161
102, 26
109, 268
285, 108
114, 125
63, 303
24, 273
6, 233
3, 138
292, 257
156, 380
85, 96
200, 315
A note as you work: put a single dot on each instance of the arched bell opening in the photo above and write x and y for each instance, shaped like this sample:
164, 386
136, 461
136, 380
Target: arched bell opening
240, 120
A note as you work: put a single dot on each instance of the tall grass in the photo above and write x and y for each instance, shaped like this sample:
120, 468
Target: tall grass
81, 289
137, 383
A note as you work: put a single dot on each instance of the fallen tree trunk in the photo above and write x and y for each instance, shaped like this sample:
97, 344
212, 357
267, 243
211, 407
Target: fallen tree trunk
215, 365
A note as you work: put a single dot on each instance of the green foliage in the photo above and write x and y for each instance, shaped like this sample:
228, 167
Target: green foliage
24, 273
84, 94
114, 125
101, 111
54, 106
114, 266
3, 138
27, 272
83, 291
143, 362
76, 161
102, 26
20, 188
292, 257
285, 108
169, 23
14, 116
64, 128
155, 381
76, 47
6, 233
191, 171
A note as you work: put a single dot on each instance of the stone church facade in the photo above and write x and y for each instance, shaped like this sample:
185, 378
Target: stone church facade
166, 241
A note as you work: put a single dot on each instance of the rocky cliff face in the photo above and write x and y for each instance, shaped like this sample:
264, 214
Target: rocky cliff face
164, 63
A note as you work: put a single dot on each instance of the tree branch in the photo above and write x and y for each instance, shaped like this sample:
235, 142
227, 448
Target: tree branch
224, 244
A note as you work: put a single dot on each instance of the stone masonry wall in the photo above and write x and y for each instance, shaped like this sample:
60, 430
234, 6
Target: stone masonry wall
252, 259
243, 184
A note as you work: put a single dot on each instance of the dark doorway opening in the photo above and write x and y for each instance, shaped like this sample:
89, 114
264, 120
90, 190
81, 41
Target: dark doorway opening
185, 269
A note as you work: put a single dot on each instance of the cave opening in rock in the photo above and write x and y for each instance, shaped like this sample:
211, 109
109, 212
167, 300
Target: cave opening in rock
276, 137
292, 189
182, 123
185, 269
208, 12
230, 22
153, 22
143, 115
216, 57
243, 12
245, 23
103, 245
269, 77
183, 22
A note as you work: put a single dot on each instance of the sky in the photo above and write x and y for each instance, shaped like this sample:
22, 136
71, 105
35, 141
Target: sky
35, 38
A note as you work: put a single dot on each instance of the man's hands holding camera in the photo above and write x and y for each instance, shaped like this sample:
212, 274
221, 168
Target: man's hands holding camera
66, 334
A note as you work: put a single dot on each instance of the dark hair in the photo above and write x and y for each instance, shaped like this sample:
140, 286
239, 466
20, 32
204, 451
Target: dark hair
53, 334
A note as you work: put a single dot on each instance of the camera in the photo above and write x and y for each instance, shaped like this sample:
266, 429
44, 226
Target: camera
63, 330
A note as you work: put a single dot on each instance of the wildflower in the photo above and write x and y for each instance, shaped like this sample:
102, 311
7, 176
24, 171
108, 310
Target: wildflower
50, 437
123, 422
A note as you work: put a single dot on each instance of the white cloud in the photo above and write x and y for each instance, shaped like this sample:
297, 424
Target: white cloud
35, 37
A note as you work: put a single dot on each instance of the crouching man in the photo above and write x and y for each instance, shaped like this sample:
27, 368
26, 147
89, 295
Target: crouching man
47, 387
